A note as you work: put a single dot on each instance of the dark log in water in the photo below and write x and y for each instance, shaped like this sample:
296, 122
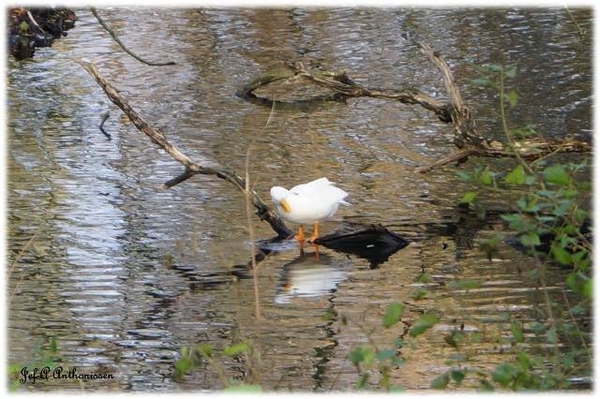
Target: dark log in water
372, 242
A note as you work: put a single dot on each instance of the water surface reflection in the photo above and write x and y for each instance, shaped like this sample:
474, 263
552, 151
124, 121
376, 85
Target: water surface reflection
125, 275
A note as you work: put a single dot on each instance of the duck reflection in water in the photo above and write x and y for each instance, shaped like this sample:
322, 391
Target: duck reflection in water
310, 276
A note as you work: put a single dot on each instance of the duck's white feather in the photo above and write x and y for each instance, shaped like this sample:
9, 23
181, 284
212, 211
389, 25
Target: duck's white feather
309, 202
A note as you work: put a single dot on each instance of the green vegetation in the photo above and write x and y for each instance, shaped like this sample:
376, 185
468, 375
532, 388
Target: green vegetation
45, 355
207, 355
548, 218
371, 361
550, 221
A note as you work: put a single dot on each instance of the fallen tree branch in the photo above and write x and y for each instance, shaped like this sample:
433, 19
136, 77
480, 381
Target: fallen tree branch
342, 87
120, 43
466, 138
191, 168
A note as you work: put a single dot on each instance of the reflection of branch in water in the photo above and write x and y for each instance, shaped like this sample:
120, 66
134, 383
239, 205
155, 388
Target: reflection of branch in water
105, 116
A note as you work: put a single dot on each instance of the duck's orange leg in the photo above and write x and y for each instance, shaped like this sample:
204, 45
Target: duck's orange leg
300, 236
315, 233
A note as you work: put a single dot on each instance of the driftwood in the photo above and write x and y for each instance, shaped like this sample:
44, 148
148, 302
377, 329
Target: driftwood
466, 137
341, 86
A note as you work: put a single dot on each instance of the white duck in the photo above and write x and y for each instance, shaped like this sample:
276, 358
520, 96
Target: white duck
311, 202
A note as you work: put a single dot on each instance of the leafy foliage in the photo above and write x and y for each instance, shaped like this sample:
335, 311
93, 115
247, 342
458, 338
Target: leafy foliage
551, 222
206, 354
370, 360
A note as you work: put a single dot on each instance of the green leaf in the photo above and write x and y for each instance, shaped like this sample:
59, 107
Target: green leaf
244, 388
454, 339
357, 355
517, 331
511, 71
530, 239
563, 207
183, 365
397, 361
441, 382
424, 278
236, 349
551, 337
422, 324
53, 345
465, 284
421, 293
386, 354
557, 174
362, 381
486, 177
392, 314
495, 67
458, 375
481, 82
517, 176
469, 197
504, 374
561, 255
206, 349
466, 176
369, 356
516, 221
523, 360
512, 97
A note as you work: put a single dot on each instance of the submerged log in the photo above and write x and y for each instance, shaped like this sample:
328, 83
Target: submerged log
341, 87
372, 242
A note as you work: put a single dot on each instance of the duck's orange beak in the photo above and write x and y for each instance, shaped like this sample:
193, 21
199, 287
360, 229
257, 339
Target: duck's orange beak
286, 207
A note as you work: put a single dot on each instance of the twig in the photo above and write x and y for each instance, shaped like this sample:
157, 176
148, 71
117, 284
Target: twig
105, 116
253, 259
581, 31
14, 263
116, 39
34, 22
458, 157
177, 179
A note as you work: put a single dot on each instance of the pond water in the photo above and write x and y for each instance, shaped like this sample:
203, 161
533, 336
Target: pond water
124, 275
